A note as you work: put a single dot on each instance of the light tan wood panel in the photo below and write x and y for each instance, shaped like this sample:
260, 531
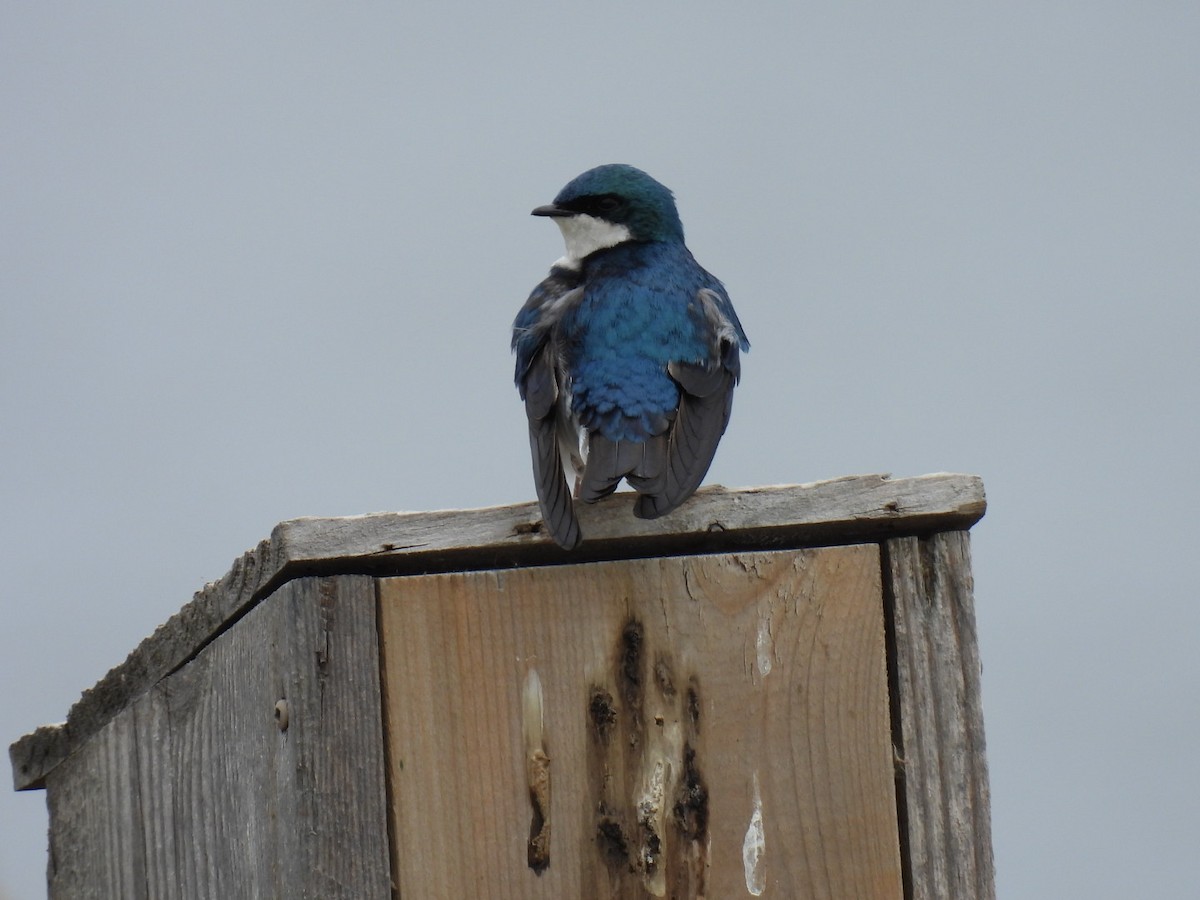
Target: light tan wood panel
715, 726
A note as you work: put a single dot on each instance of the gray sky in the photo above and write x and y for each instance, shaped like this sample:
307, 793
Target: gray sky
261, 261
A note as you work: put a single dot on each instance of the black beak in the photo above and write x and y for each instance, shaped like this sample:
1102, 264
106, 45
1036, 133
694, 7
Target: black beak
552, 210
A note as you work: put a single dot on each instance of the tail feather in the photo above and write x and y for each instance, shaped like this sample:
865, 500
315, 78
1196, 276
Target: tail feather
641, 463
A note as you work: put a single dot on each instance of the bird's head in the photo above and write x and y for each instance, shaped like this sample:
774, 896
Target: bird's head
609, 205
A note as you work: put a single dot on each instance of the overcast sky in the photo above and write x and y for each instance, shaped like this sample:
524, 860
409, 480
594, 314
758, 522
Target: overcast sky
261, 261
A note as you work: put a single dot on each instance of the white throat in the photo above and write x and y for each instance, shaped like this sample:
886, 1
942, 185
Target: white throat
586, 234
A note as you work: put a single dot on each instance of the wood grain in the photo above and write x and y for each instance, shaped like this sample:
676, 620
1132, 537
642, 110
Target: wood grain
690, 705
195, 791
945, 793
716, 519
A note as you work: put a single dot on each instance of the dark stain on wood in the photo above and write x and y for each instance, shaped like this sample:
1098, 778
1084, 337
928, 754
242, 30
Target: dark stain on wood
602, 712
631, 681
688, 867
539, 835
327, 591
614, 846
664, 676
691, 800
630, 663
692, 705
634, 849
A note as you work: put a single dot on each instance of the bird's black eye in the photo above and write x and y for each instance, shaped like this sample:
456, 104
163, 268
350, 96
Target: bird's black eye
608, 204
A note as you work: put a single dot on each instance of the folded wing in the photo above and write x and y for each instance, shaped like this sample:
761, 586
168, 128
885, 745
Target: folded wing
554, 496
538, 380
705, 403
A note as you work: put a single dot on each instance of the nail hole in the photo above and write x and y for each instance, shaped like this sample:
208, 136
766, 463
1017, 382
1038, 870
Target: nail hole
281, 715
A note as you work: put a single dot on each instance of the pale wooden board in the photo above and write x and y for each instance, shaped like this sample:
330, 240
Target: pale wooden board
946, 796
860, 507
770, 666
195, 792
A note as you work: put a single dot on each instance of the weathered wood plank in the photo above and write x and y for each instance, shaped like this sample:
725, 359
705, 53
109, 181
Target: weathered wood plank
195, 790
172, 644
715, 726
96, 846
945, 793
717, 519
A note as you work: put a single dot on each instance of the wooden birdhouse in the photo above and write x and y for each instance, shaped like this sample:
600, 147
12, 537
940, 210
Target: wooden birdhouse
771, 692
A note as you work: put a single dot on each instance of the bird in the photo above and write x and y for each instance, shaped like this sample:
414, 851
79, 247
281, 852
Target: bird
627, 353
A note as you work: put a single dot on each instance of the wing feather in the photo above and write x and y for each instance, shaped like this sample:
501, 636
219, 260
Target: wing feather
554, 496
705, 403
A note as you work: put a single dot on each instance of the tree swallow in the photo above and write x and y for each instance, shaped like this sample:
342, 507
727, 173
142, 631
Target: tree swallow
627, 353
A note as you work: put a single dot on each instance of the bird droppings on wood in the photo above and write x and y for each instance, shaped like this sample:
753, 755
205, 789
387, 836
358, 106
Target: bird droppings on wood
537, 771
651, 818
645, 770
754, 847
649, 843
